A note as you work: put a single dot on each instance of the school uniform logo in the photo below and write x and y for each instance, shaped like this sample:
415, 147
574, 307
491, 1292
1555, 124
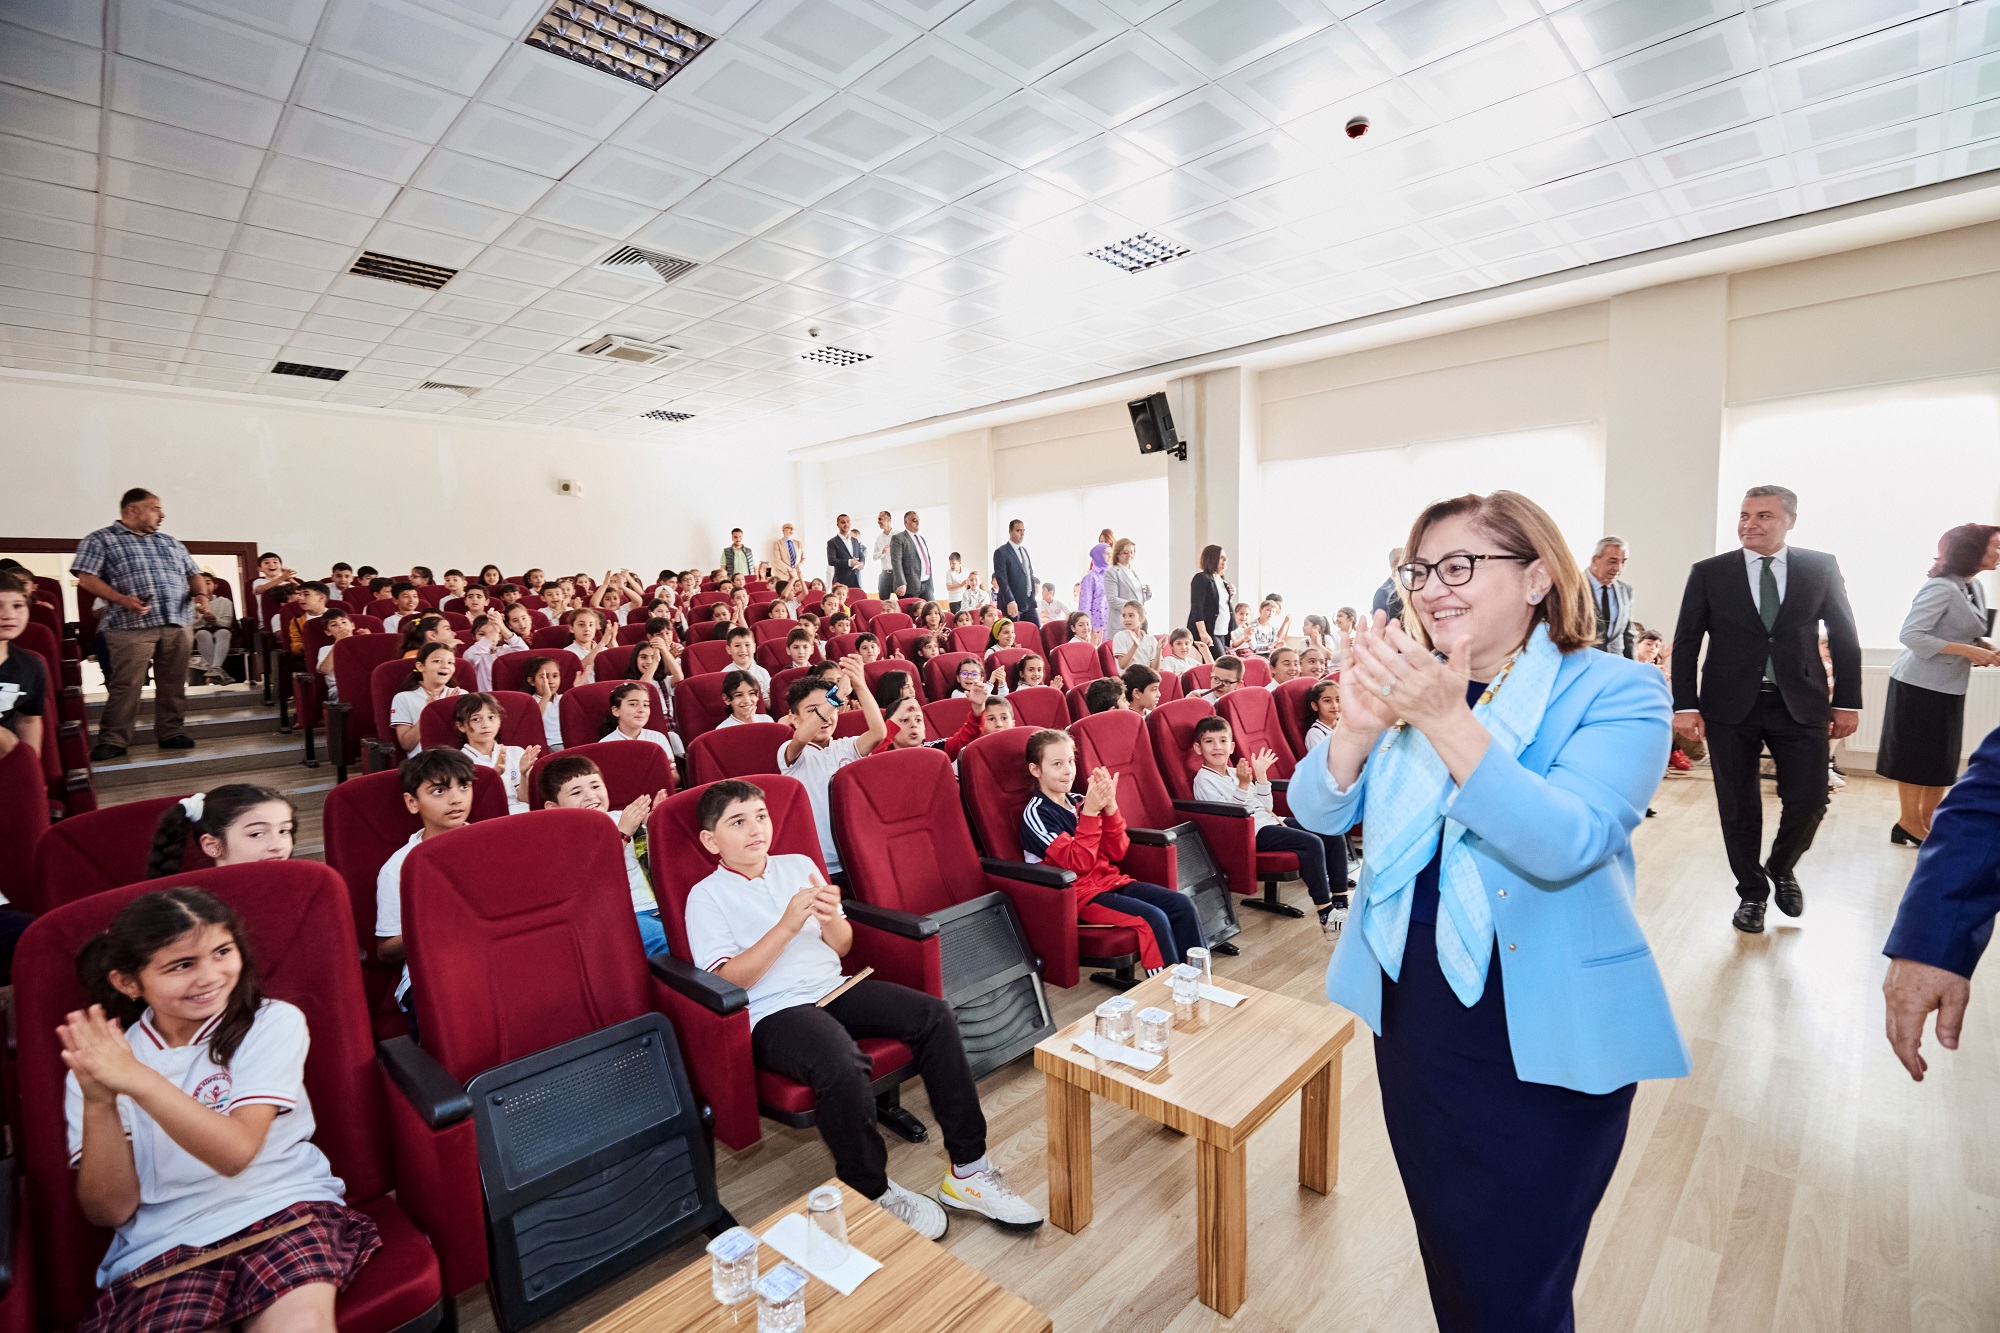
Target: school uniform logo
215, 1091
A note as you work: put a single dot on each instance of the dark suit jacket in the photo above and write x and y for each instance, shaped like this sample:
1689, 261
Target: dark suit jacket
1718, 605
1015, 585
1947, 914
908, 564
1202, 609
840, 550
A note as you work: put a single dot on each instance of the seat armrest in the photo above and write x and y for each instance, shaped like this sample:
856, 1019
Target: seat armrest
1223, 808
1281, 784
1054, 877
708, 990
907, 924
435, 1095
9, 1203
1153, 837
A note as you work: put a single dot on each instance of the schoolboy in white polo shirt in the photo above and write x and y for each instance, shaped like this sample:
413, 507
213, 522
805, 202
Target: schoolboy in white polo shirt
773, 926
813, 756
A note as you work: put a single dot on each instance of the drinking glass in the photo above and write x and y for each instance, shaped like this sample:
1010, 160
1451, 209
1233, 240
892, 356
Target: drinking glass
781, 1301
732, 1265
1200, 957
1154, 1025
826, 1229
1187, 984
1114, 1020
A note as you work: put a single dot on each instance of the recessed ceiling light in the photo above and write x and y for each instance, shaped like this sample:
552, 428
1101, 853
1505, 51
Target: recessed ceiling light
465, 389
409, 272
622, 39
309, 372
837, 356
663, 415
645, 265
1136, 253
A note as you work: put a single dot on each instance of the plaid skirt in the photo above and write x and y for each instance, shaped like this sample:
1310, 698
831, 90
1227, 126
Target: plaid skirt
329, 1248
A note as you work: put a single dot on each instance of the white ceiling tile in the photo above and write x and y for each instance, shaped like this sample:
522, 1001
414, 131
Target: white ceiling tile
1869, 152
1025, 129
548, 87
317, 183
1871, 109
1599, 30
1964, 161
293, 249
721, 204
838, 40
373, 97
453, 217
687, 237
1708, 111
633, 177
341, 143
1020, 200
1973, 123
171, 189
1125, 77
1407, 33
1393, 111
54, 303
161, 94
1975, 80
748, 88
1864, 62
1221, 36
48, 162
951, 231
1747, 213
479, 181
856, 132
944, 169
1717, 152
1650, 237
934, 83
1566, 155
158, 250
181, 150
1698, 59
1451, 192
726, 283
840, 280
1623, 181
881, 205
294, 19
818, 234
1218, 226
281, 305
76, 20
1728, 187
15, 278
202, 44
49, 64
49, 259
55, 120
1794, 27
411, 40
1497, 69
685, 136
892, 257
423, 245
1194, 126
1026, 39
298, 276
526, 268
553, 242
1604, 220
778, 262
789, 172
588, 211
1264, 160
516, 141
1098, 166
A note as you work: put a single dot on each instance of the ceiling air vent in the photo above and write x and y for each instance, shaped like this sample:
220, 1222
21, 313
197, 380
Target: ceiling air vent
465, 389
633, 351
645, 265
1136, 253
617, 37
309, 372
409, 272
663, 415
836, 356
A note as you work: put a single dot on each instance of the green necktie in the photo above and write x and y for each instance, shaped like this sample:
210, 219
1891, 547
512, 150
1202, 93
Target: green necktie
1767, 609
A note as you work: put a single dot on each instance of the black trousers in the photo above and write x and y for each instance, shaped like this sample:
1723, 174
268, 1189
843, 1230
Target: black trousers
1802, 751
1322, 857
816, 1047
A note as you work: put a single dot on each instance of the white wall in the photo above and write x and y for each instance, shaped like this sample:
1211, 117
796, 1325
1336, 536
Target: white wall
320, 485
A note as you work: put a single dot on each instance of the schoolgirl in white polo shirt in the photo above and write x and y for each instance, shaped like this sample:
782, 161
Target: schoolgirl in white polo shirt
189, 1127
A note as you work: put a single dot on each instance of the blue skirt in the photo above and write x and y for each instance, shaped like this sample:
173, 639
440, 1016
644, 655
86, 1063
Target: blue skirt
1502, 1175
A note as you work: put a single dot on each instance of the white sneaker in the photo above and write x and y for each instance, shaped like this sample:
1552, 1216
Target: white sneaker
988, 1194
1331, 923
921, 1215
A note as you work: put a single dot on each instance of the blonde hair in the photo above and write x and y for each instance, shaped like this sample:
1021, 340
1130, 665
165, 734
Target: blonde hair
1519, 527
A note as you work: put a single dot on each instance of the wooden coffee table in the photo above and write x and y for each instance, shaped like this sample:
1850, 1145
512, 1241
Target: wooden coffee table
922, 1288
1226, 1071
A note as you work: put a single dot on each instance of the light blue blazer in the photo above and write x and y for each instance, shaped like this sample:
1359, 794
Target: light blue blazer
1551, 834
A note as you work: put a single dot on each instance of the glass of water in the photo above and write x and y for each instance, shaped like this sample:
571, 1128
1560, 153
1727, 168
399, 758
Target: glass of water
781, 1301
826, 1229
1114, 1020
1154, 1025
1187, 984
1200, 958
732, 1265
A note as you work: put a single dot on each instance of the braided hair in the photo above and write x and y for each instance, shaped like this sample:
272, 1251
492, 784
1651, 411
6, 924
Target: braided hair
217, 810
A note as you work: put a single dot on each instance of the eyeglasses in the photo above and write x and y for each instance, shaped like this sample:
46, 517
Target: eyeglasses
1453, 571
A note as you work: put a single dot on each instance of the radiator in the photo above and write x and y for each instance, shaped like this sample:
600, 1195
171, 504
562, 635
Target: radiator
1982, 711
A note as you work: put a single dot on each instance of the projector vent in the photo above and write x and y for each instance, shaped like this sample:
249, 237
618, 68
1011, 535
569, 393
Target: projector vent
406, 271
1136, 253
617, 37
663, 415
465, 389
836, 356
645, 265
309, 372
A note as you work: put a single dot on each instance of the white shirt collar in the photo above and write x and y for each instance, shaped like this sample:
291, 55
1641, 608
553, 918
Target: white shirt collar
1750, 557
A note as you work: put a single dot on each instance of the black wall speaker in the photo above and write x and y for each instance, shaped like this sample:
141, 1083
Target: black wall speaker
1154, 425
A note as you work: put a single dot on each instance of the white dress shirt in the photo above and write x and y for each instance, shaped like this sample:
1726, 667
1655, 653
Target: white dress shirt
1753, 566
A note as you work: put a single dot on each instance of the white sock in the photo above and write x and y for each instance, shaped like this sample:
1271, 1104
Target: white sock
970, 1169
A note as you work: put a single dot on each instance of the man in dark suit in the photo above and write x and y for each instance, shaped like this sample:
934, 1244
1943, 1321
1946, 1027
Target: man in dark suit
845, 554
1616, 632
1016, 571
910, 558
1947, 914
1760, 608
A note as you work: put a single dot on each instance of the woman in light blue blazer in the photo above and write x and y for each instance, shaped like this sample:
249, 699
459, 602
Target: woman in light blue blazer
1501, 767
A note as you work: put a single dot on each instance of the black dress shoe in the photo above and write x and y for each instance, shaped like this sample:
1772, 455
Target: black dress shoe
1785, 891
100, 753
1902, 837
1226, 949
1749, 918
177, 743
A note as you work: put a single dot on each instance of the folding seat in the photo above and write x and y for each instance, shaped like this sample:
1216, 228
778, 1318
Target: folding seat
1170, 686
50, 589
1230, 831
385, 682
581, 712
1053, 633
66, 734
536, 614
24, 813
99, 850
707, 597
756, 611
1169, 846
709, 655
772, 655
864, 610
510, 671
309, 682
1293, 720
1077, 663
612, 663
709, 1011
1253, 725
520, 722
874, 671
736, 752
884, 623
549, 1104
633, 633
945, 717
854, 724
905, 845
1256, 671
840, 645
941, 674
702, 631
1004, 658
550, 639
902, 643
353, 720
382, 608
452, 604
630, 770
972, 639
295, 921
460, 623
698, 705
767, 631
997, 788
365, 821
432, 593
1073, 701
1039, 707
1196, 678
909, 606
781, 683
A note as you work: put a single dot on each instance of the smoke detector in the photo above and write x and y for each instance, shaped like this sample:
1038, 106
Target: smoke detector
629, 350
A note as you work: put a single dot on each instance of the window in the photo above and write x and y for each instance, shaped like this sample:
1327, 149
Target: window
1063, 526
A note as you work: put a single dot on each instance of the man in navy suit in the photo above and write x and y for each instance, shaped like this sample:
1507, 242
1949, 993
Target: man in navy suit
1946, 918
1016, 572
845, 555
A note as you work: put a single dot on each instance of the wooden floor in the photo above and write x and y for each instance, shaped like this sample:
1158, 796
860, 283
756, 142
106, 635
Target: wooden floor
1797, 1180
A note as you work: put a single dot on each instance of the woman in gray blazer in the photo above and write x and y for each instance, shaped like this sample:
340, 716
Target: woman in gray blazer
1944, 637
1122, 583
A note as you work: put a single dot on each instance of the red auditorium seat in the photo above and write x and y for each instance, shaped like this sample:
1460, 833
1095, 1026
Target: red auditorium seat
385, 682
781, 684
765, 631
612, 663
1077, 663
631, 769
698, 705
1293, 719
510, 671
944, 717
736, 752
581, 712
1054, 632
708, 1011
551, 639
1170, 686
1005, 658
24, 813
994, 770
909, 605
973, 639
864, 610
1229, 829
901, 643
104, 849
353, 720
1252, 715
295, 921
941, 674
882, 666
772, 655
1039, 707
632, 633
885, 623
65, 728
1073, 701
707, 656
520, 721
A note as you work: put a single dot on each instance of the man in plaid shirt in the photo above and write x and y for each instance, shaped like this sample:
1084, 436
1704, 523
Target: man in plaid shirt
148, 579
